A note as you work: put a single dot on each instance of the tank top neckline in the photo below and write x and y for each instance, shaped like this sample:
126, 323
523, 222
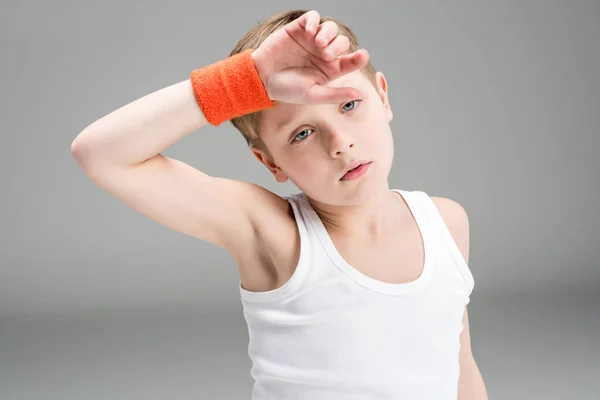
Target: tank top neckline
362, 279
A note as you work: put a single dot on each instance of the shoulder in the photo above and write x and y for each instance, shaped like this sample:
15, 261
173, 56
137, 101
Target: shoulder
457, 221
450, 209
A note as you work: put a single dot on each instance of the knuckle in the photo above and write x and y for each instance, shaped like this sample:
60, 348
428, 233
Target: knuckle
330, 26
343, 39
328, 31
341, 42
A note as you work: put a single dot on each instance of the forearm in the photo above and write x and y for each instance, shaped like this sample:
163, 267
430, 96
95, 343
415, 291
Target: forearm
471, 385
142, 128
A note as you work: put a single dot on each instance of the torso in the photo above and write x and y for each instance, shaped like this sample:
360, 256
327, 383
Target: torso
399, 259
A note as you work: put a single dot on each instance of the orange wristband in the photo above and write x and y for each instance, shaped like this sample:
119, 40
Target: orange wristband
230, 88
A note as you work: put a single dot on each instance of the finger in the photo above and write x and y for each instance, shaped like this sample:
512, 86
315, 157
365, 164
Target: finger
313, 20
338, 46
307, 22
327, 31
352, 62
326, 94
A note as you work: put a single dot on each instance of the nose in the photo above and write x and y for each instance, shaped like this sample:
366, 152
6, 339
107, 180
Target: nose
340, 143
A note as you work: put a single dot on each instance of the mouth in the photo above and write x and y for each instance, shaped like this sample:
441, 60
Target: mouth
358, 170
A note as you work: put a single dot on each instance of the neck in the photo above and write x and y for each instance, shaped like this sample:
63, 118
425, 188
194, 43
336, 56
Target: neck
373, 218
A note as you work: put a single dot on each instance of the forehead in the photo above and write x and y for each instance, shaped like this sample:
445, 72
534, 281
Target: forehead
273, 119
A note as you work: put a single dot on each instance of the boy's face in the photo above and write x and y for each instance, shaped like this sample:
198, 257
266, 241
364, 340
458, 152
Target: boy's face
312, 144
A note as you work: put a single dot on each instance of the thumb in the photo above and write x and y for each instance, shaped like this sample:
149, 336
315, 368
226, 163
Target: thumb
326, 94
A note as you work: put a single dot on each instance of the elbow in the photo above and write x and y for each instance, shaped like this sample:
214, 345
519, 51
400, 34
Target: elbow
80, 148
85, 151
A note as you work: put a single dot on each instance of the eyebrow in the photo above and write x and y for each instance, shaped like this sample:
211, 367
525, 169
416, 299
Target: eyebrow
281, 124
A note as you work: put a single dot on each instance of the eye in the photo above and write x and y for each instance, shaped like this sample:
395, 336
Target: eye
300, 134
300, 137
355, 102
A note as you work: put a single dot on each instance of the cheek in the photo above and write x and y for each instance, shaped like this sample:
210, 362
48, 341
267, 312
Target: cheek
378, 133
303, 166
309, 167
387, 141
381, 141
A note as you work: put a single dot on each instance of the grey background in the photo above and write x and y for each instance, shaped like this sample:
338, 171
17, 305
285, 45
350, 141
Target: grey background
496, 105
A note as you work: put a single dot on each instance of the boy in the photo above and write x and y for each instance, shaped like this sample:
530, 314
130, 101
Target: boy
351, 290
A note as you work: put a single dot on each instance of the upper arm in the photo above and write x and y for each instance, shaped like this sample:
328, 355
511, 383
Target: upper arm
466, 353
220, 211
457, 220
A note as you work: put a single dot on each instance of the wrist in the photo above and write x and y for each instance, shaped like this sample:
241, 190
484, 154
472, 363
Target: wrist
259, 62
230, 88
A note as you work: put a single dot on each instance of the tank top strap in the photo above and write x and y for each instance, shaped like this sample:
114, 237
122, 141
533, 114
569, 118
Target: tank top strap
441, 229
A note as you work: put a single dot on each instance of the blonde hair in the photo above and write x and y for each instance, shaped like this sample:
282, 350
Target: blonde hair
248, 124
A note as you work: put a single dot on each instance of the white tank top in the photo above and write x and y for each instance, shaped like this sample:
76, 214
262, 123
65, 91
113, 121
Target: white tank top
331, 332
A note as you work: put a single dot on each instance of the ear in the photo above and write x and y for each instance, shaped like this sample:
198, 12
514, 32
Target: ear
382, 90
268, 162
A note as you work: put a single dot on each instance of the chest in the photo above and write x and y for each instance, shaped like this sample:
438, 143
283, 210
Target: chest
397, 259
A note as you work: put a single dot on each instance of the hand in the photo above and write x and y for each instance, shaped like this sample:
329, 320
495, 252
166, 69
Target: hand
298, 60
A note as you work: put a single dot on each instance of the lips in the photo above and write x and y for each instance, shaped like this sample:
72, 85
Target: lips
353, 165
